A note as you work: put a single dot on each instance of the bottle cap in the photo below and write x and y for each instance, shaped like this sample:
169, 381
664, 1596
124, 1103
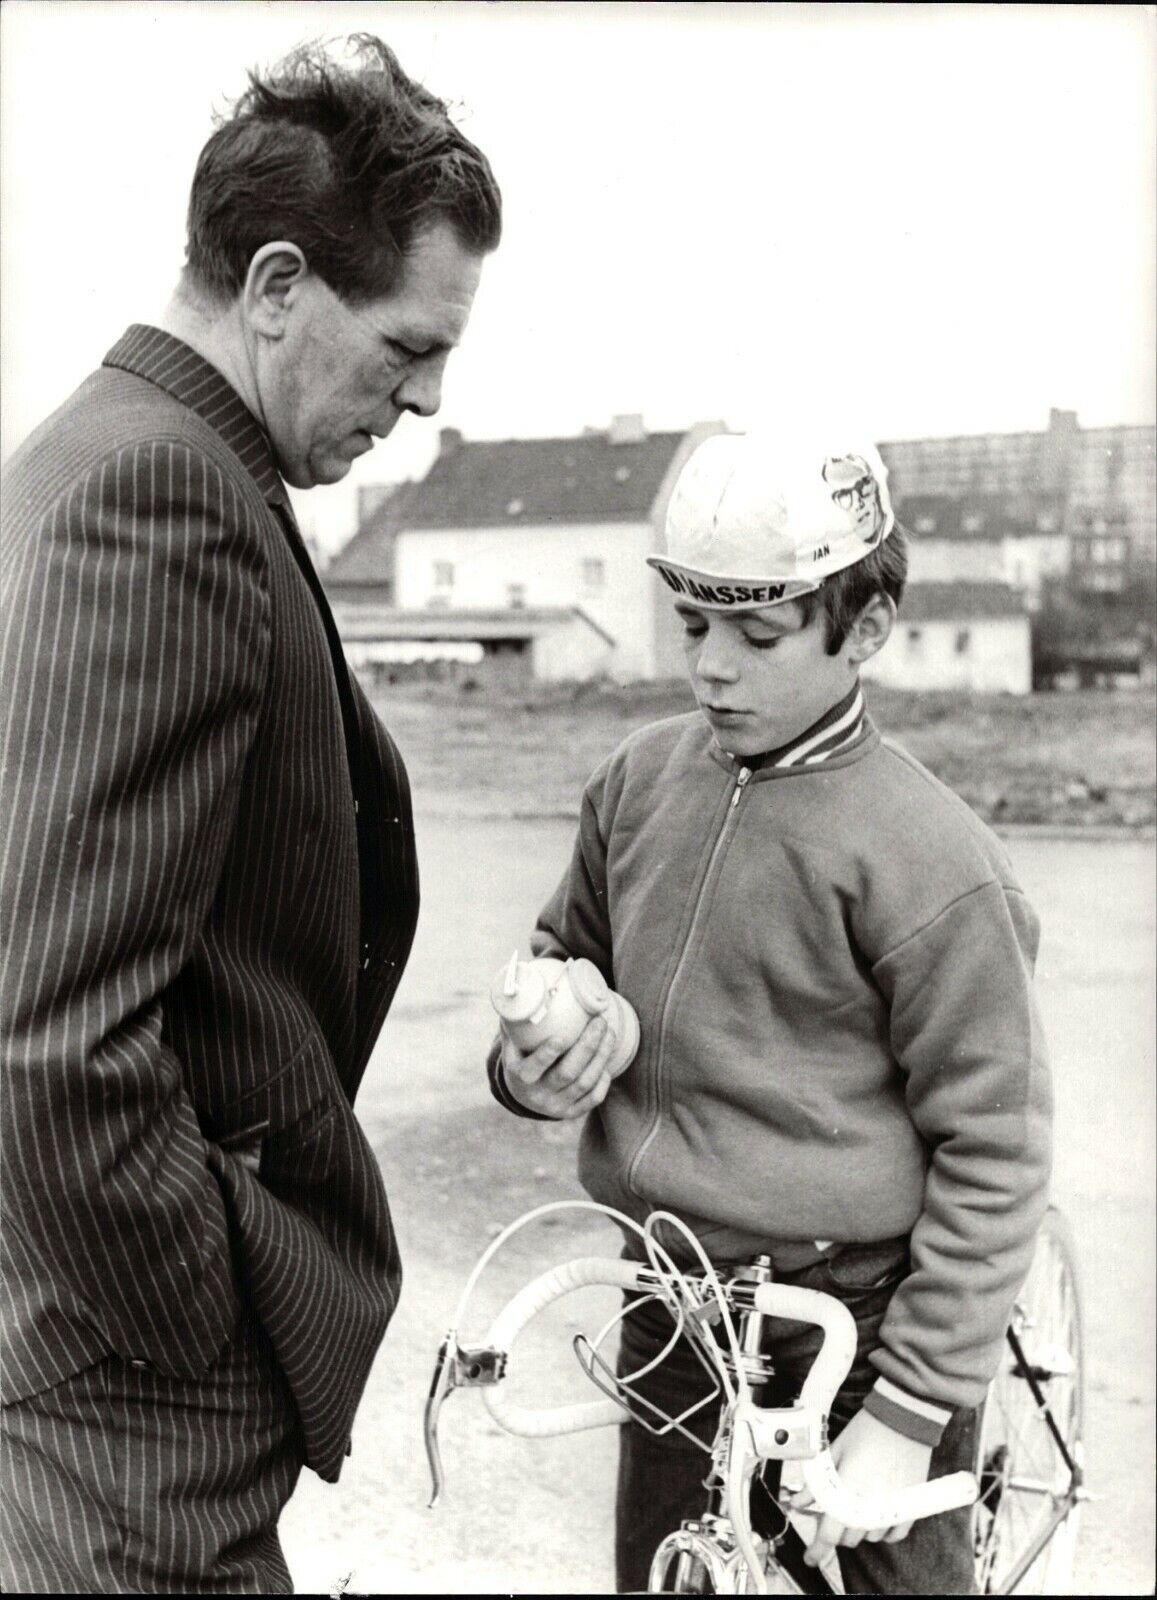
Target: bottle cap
519, 991
589, 986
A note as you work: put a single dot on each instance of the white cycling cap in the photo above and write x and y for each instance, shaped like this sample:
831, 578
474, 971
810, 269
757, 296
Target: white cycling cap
754, 521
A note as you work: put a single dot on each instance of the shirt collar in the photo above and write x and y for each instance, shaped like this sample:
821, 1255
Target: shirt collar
834, 733
170, 364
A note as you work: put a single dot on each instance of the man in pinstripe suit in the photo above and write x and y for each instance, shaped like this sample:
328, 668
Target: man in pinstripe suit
209, 880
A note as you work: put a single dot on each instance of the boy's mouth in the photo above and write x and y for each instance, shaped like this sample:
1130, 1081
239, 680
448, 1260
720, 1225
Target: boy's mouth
723, 711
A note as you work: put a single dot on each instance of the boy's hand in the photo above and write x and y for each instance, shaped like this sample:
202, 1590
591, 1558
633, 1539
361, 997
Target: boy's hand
566, 1084
870, 1457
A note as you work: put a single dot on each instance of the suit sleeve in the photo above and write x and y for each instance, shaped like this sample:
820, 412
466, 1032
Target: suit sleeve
968, 1039
573, 922
134, 657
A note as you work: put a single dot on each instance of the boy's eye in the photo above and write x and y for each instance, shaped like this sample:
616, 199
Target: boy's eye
768, 643
694, 630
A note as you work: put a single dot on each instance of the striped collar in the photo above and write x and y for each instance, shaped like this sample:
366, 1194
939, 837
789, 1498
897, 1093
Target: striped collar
834, 734
170, 364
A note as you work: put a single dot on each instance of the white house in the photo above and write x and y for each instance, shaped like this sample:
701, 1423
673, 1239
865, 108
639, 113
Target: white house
542, 540
972, 636
1018, 540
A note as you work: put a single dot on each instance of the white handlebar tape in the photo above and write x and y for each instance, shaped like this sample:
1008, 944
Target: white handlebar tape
831, 1366
819, 1388
886, 1510
540, 1421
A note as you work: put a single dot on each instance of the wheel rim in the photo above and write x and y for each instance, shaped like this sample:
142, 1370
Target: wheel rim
1024, 1479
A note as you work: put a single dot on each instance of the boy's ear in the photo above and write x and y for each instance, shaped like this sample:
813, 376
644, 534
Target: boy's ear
871, 628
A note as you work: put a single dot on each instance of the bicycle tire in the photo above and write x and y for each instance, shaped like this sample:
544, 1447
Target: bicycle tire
1025, 1480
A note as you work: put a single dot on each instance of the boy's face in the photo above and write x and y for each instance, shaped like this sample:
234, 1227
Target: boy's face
762, 677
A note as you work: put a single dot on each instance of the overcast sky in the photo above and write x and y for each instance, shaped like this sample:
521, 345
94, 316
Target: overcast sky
936, 219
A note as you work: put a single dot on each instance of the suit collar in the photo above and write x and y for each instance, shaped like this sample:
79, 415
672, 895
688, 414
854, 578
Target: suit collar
175, 367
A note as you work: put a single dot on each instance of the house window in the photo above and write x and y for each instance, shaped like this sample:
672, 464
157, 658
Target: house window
963, 641
516, 595
594, 573
925, 524
443, 574
971, 522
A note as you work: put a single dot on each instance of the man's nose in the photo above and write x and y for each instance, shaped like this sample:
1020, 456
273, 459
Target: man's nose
420, 391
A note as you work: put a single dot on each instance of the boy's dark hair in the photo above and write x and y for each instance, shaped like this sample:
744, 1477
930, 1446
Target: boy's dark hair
349, 163
845, 594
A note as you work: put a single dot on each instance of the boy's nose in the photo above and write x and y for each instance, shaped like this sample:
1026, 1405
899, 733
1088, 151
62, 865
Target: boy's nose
717, 663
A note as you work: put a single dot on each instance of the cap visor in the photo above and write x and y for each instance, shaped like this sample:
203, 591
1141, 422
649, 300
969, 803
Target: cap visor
721, 592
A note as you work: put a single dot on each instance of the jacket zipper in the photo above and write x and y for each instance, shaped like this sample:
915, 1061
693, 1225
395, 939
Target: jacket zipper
742, 778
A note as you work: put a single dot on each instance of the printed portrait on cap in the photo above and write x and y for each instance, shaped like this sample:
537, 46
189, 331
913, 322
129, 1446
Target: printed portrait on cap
856, 491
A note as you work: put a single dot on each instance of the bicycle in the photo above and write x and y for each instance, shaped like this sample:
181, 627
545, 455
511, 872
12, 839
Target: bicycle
1026, 1489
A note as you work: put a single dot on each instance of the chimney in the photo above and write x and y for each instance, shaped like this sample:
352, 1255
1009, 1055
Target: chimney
1062, 421
449, 440
626, 429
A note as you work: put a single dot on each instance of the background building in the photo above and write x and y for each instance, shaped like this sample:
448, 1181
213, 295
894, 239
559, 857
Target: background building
524, 558
1103, 481
968, 636
536, 545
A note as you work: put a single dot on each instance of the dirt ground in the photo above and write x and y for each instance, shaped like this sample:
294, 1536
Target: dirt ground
1082, 759
524, 1517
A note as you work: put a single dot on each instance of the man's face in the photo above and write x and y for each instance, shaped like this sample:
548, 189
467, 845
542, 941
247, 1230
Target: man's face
854, 488
761, 677
341, 376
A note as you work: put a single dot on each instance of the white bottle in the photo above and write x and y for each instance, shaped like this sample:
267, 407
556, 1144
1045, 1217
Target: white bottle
551, 999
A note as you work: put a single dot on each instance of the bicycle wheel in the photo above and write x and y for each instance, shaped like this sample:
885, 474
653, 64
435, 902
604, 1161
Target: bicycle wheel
1029, 1473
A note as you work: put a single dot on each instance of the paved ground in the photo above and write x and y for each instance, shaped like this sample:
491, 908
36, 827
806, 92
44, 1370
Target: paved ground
526, 1518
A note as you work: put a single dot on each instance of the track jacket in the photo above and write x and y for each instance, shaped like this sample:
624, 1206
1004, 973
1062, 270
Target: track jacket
831, 962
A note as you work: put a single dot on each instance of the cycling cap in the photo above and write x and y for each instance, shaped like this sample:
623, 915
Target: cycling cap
752, 521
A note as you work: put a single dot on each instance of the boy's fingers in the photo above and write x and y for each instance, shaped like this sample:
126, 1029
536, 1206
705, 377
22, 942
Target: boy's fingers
827, 1537
593, 1097
589, 1047
528, 1069
901, 1531
578, 1087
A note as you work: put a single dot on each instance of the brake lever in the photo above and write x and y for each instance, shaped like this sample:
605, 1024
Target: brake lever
455, 1368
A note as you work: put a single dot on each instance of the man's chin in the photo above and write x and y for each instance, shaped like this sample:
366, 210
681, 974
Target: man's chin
316, 472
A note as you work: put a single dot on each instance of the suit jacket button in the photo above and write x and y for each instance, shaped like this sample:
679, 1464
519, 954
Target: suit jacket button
139, 1364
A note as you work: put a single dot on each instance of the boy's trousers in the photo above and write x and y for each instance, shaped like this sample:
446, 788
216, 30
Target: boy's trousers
661, 1479
122, 1481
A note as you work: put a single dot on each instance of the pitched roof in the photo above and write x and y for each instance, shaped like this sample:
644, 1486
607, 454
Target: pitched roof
368, 557
980, 516
953, 602
492, 482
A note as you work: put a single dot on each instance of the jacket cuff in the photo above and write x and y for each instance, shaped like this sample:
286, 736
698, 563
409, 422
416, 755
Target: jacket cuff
500, 1091
922, 1420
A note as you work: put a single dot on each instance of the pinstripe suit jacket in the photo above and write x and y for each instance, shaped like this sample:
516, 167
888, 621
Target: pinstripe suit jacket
209, 891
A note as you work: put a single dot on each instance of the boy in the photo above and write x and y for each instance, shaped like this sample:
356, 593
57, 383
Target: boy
841, 1062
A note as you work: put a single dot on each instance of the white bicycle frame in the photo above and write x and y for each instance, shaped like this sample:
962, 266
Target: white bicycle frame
750, 1435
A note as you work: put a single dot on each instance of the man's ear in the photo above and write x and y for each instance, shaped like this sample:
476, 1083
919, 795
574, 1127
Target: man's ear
275, 276
871, 628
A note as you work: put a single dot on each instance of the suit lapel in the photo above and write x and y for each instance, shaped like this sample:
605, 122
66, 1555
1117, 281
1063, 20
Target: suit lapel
387, 869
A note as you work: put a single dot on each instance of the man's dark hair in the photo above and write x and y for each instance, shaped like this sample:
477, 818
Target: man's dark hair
350, 163
845, 594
